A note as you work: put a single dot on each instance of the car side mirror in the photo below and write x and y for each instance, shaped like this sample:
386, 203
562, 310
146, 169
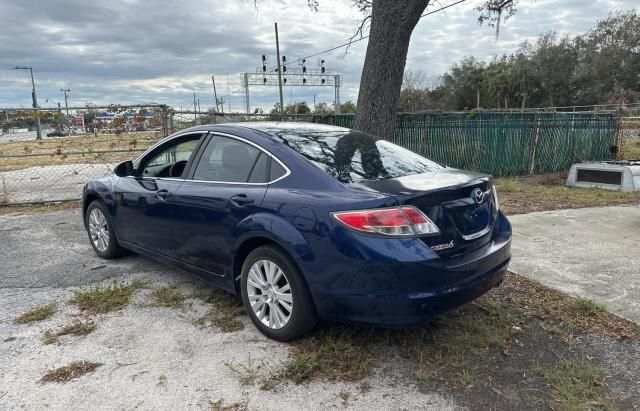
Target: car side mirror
124, 169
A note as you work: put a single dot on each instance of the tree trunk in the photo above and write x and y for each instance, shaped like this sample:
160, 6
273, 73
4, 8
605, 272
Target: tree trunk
392, 22
478, 98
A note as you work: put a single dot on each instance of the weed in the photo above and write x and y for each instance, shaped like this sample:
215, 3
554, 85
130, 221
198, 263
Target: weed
77, 327
577, 386
225, 312
466, 378
340, 353
106, 298
588, 307
364, 387
560, 312
168, 296
344, 396
39, 313
70, 372
236, 406
248, 373
508, 185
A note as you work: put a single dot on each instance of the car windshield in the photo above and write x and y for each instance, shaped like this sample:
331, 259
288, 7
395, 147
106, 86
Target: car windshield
351, 156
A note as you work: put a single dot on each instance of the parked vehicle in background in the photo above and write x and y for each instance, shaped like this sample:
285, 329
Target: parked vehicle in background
306, 221
57, 133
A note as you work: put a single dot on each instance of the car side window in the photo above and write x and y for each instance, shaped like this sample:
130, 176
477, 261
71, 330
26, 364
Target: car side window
231, 161
171, 161
277, 171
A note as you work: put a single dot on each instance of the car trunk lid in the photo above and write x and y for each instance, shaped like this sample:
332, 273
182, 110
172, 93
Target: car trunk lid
460, 203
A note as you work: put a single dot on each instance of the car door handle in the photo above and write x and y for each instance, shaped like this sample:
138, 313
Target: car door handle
241, 200
163, 194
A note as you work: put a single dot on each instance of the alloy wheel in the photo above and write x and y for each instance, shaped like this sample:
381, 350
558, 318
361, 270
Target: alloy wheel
269, 294
98, 230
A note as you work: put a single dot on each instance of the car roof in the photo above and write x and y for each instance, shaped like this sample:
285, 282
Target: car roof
273, 128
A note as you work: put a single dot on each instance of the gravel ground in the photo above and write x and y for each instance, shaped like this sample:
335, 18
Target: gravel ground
153, 357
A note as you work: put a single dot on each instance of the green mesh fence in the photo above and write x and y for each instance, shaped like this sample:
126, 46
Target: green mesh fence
503, 144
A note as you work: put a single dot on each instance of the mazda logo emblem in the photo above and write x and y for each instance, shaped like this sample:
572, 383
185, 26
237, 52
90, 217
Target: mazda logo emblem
477, 195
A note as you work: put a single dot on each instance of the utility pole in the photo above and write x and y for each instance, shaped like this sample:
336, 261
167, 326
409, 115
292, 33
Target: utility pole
35, 100
195, 108
337, 93
215, 94
279, 69
66, 103
245, 81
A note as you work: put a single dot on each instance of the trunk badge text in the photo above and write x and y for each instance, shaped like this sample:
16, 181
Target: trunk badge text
444, 246
477, 195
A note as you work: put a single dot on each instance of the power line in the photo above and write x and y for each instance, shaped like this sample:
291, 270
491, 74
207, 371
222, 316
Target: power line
362, 38
366, 37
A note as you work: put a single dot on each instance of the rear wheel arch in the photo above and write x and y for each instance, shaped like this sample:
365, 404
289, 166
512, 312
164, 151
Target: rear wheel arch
246, 247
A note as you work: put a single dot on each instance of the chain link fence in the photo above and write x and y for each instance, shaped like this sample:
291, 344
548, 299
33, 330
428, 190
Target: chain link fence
505, 143
89, 141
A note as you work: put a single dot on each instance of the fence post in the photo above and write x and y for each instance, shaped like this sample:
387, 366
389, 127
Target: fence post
165, 122
536, 137
619, 139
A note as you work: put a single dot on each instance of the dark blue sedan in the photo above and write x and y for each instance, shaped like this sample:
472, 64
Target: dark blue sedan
306, 221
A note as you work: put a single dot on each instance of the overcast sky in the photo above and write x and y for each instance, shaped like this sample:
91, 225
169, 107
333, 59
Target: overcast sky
133, 51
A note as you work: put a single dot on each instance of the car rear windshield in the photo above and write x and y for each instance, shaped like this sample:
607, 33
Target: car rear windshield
351, 156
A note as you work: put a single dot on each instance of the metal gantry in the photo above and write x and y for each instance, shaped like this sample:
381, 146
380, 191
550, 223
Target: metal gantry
299, 77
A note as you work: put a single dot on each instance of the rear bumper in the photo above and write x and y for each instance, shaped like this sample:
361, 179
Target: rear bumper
402, 293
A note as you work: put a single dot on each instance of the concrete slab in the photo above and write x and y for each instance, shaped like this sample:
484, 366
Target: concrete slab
591, 252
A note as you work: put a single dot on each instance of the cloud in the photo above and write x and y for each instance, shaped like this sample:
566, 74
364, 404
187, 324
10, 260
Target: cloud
132, 51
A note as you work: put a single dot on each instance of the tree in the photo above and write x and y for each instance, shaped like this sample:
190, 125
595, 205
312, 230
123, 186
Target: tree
347, 107
323, 109
391, 23
296, 108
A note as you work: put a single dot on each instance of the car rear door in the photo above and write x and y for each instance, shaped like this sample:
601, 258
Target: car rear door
145, 201
225, 186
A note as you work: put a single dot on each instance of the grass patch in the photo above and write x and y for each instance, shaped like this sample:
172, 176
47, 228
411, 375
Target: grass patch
168, 296
577, 386
630, 149
77, 327
566, 313
39, 313
588, 307
106, 298
225, 312
348, 353
508, 185
60, 150
337, 353
526, 194
37, 207
70, 372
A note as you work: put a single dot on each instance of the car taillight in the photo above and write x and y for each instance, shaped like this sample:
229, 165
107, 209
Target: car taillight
398, 221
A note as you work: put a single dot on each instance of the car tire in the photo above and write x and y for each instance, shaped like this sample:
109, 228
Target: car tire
100, 230
275, 294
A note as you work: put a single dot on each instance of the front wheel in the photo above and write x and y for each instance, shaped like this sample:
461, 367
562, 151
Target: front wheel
100, 230
275, 295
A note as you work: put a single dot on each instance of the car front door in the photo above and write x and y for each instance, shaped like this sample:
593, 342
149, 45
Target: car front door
226, 185
144, 200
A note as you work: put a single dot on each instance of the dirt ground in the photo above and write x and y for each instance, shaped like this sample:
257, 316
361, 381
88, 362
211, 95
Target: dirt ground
157, 338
